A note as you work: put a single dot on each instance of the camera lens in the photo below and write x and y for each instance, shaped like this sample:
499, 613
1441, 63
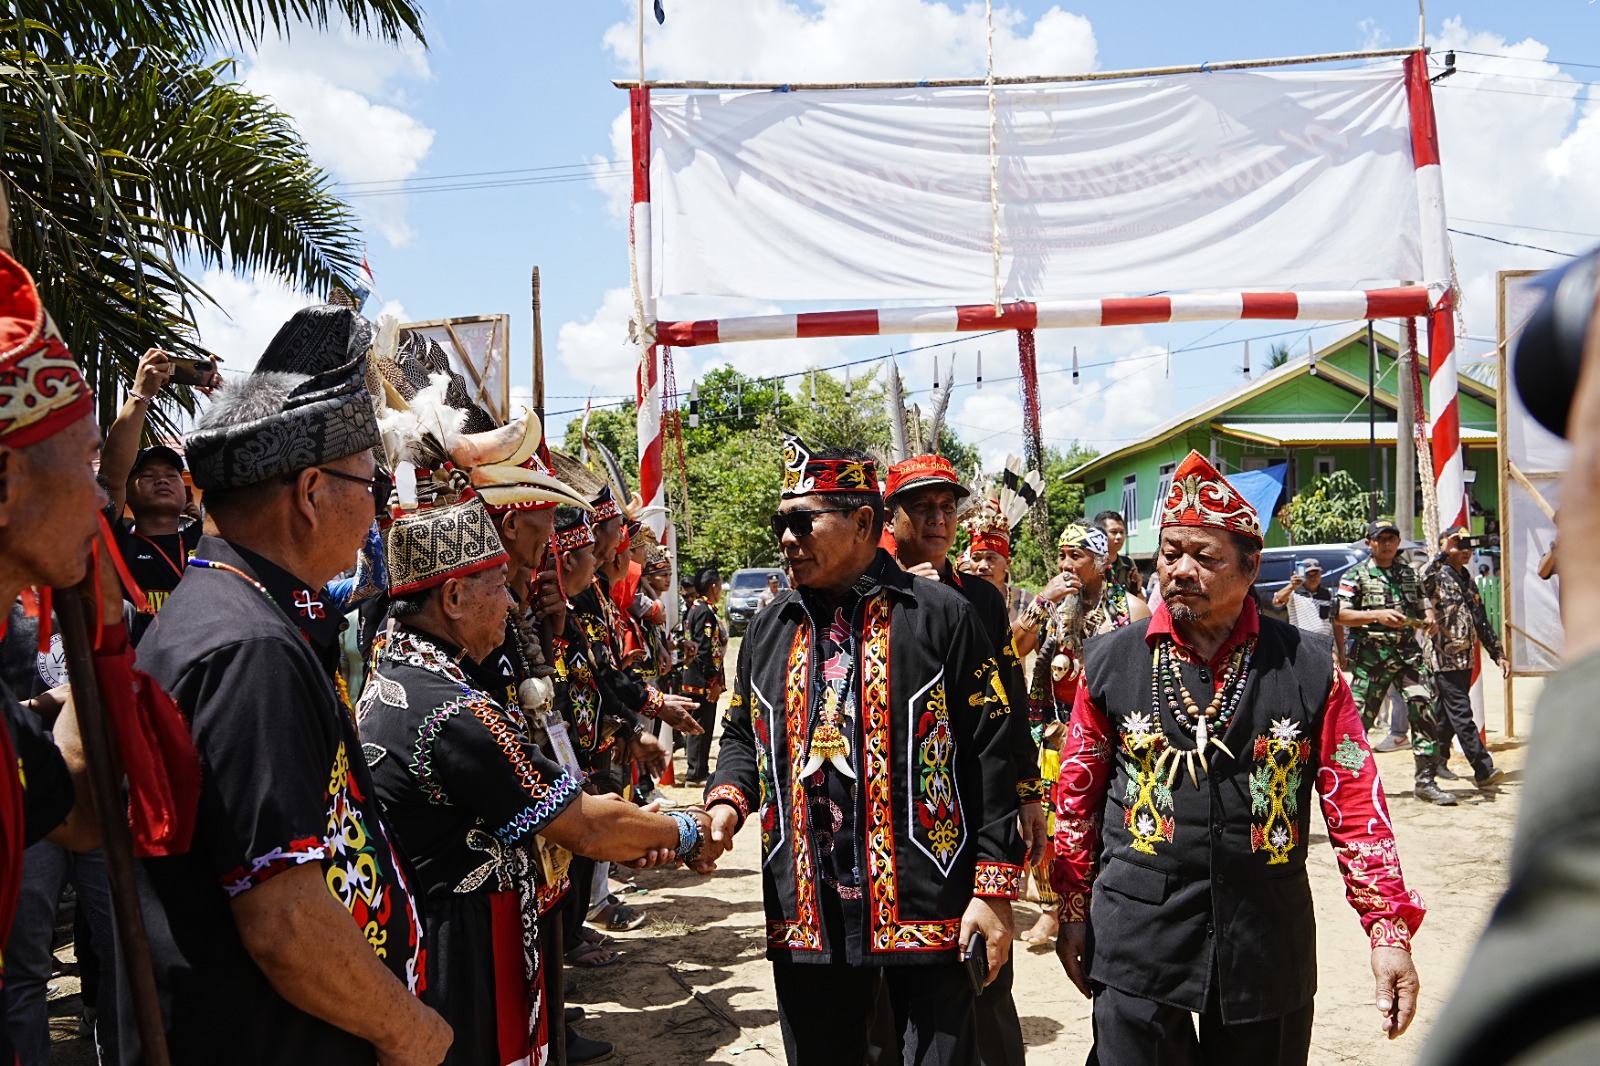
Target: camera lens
1549, 354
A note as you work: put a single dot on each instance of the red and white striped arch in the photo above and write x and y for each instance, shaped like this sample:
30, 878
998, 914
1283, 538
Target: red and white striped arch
1431, 299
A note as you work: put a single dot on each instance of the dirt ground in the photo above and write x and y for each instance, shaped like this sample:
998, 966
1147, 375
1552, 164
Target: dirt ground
694, 986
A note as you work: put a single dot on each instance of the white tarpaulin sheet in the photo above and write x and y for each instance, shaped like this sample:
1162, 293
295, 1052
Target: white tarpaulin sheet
1226, 181
1534, 607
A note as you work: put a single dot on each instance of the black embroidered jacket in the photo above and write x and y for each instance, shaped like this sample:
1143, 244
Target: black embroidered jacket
936, 800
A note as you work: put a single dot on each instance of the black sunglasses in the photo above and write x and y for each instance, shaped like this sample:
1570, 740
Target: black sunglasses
800, 522
381, 486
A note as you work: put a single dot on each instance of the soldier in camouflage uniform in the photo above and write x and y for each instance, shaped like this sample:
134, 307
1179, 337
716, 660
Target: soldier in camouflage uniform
1381, 601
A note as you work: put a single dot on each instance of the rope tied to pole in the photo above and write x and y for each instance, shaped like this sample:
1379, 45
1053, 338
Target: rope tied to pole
994, 155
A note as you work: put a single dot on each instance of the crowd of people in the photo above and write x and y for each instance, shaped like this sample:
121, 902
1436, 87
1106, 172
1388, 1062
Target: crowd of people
404, 877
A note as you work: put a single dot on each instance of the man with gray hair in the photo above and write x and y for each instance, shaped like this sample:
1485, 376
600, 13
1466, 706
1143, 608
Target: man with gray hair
287, 932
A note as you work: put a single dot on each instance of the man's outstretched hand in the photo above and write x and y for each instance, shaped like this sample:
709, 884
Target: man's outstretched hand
678, 712
718, 838
1398, 985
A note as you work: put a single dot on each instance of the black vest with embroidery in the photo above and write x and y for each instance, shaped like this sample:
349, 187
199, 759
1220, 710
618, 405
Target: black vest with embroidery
1206, 886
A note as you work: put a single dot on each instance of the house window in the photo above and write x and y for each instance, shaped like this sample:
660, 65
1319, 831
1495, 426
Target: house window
1163, 488
1256, 462
1096, 489
1324, 465
1130, 502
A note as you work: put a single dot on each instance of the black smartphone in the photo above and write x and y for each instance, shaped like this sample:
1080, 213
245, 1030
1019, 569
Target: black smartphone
193, 371
977, 963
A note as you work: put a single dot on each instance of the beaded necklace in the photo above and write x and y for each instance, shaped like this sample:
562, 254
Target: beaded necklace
340, 686
1206, 726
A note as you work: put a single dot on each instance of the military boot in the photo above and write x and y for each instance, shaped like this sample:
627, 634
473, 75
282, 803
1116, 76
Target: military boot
1425, 789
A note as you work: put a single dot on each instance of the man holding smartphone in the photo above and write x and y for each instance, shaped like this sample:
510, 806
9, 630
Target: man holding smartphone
157, 541
1312, 606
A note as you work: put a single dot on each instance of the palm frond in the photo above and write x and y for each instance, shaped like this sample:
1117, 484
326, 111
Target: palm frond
195, 26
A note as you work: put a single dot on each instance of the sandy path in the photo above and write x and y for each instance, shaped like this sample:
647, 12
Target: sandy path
695, 986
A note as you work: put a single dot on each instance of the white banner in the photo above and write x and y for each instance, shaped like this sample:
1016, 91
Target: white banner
1226, 181
1532, 604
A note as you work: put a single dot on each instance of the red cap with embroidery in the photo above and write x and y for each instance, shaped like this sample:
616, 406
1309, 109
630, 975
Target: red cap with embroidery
921, 472
1201, 496
42, 391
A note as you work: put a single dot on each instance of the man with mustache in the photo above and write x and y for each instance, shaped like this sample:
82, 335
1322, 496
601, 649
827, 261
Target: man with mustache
1184, 809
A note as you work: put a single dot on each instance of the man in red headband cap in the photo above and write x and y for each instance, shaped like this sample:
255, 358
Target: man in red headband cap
1197, 738
866, 731
923, 496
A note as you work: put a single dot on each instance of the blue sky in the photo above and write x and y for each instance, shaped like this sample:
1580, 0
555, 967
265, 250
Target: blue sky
511, 87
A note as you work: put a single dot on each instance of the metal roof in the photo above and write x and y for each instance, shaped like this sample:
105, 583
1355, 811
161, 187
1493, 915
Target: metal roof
1305, 434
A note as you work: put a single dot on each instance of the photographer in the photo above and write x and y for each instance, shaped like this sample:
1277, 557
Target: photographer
1456, 621
158, 541
1313, 607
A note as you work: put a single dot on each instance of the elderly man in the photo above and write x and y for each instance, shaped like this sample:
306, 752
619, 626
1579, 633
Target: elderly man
466, 791
923, 495
48, 502
1380, 599
288, 932
867, 730
1457, 622
1196, 740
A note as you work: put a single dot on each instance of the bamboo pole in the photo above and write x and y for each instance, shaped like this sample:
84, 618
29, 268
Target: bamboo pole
105, 784
1503, 460
1027, 79
538, 349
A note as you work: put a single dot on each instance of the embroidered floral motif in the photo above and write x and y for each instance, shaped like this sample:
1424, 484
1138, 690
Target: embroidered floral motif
1074, 907
1280, 758
1350, 755
884, 929
805, 932
1148, 815
937, 810
999, 880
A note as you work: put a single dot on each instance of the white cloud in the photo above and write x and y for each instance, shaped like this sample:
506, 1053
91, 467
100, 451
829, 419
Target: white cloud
347, 95
248, 312
1510, 156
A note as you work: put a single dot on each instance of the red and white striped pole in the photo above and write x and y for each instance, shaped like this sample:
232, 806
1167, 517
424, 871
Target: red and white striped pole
1444, 412
652, 489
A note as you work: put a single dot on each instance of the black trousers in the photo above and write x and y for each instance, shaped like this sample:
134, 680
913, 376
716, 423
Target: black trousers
697, 749
1131, 1031
826, 1012
1454, 688
999, 1028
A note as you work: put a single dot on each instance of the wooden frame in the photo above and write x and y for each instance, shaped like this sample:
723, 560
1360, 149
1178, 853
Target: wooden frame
498, 352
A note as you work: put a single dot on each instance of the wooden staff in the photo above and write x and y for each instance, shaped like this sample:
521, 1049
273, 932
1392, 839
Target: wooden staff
105, 785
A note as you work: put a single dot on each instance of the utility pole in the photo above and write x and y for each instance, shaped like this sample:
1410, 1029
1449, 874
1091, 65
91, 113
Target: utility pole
1372, 425
1405, 450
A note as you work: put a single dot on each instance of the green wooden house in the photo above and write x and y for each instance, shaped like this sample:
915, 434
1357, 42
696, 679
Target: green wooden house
1311, 414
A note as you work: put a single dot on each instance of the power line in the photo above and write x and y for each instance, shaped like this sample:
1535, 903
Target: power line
1525, 59
485, 173
1519, 225
1513, 244
476, 185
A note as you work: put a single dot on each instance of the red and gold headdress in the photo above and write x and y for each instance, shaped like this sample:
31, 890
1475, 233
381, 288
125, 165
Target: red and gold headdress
42, 391
1201, 496
805, 476
573, 533
1007, 500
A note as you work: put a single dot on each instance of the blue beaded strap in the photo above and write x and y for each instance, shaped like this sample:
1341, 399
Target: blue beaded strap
688, 835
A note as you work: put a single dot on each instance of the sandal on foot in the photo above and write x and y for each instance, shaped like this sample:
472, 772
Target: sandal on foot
624, 918
592, 956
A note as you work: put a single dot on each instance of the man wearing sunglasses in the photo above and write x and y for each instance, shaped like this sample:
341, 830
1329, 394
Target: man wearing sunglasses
867, 732
923, 496
288, 932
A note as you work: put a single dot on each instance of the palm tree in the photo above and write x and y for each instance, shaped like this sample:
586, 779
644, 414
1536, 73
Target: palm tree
131, 163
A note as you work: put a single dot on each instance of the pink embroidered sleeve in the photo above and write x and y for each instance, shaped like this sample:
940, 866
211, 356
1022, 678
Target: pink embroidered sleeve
1079, 799
1359, 827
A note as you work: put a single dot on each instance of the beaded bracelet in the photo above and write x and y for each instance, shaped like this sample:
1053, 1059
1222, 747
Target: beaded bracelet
1036, 613
689, 839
